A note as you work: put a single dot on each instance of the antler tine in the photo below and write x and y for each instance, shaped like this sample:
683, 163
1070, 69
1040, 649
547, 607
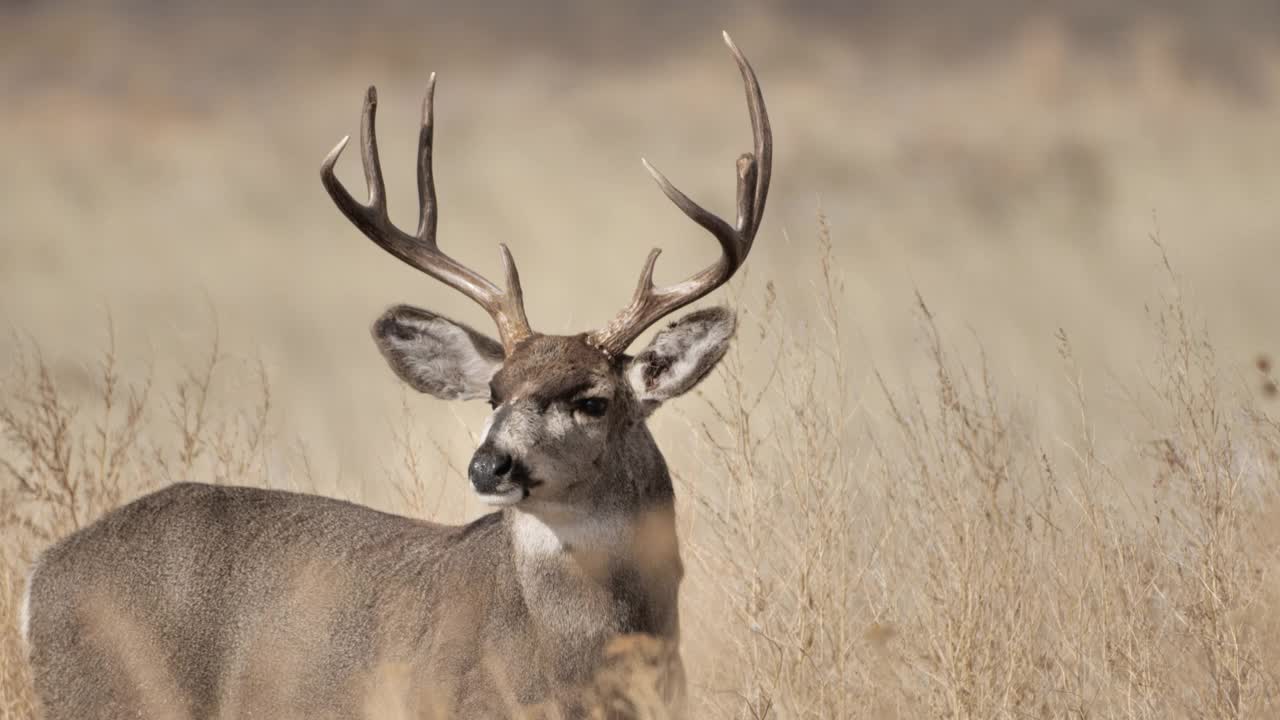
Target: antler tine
761, 135
421, 250
426, 179
754, 169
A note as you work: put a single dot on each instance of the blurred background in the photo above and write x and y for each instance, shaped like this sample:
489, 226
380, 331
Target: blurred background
1010, 161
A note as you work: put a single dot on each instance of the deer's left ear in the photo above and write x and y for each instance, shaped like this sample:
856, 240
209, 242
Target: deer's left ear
681, 355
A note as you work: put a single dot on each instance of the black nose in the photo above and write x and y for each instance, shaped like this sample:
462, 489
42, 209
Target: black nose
489, 468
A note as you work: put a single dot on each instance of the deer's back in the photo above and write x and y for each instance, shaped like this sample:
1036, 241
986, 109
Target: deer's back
226, 600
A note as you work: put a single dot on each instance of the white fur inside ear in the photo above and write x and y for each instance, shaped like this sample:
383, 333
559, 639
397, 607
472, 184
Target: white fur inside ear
680, 357
635, 376
438, 357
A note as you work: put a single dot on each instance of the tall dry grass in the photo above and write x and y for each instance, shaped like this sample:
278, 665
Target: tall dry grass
946, 554
938, 550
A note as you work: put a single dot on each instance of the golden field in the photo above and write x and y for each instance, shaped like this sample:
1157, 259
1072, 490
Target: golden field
999, 436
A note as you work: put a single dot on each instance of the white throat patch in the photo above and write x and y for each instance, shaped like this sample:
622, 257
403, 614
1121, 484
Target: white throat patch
541, 538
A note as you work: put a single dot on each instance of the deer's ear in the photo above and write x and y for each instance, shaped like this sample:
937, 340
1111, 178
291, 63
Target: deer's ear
680, 356
436, 355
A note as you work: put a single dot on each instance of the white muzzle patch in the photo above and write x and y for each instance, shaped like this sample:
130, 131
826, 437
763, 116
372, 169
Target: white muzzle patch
507, 494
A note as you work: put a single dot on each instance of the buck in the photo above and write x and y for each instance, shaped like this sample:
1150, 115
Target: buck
202, 601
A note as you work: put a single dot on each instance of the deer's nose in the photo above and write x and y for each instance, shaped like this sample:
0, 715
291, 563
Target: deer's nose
489, 468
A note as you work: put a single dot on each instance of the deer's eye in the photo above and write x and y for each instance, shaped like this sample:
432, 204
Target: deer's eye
592, 406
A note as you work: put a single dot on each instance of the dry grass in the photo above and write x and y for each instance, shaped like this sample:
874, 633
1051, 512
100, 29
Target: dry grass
974, 455
943, 557
949, 558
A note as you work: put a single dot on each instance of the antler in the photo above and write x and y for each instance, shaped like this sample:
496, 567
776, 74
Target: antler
651, 304
420, 250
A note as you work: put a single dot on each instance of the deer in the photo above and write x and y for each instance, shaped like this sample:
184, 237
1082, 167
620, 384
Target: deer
215, 601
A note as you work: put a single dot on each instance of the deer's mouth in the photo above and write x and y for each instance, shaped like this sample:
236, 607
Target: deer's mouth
504, 495
521, 478
516, 487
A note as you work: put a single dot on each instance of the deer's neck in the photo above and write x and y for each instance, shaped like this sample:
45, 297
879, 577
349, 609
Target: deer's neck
544, 536
587, 576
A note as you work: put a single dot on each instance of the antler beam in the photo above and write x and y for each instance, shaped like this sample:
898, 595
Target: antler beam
650, 304
420, 249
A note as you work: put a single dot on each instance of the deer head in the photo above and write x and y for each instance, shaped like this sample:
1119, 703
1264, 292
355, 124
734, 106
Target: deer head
568, 427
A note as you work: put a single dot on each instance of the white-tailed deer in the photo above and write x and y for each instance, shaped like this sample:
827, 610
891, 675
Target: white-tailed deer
203, 601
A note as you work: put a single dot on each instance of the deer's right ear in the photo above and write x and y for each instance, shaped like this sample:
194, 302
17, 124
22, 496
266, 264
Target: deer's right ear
436, 355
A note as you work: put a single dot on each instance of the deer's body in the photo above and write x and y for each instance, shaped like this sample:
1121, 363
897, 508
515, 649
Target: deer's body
218, 602
221, 602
